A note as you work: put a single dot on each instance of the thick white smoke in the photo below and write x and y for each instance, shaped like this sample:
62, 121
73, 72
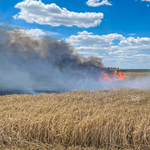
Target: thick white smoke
33, 65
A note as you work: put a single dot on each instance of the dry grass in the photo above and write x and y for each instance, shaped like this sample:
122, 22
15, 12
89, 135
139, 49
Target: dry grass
105, 119
137, 74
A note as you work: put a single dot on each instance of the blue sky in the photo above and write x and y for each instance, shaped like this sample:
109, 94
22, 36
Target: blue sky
118, 31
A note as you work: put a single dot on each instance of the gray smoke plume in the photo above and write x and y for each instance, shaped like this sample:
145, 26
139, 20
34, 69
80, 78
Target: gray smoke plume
44, 64
31, 64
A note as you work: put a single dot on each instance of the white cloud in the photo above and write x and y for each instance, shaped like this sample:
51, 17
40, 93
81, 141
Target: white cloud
88, 54
129, 52
87, 40
131, 34
96, 3
135, 41
33, 11
36, 32
146, 0
33, 32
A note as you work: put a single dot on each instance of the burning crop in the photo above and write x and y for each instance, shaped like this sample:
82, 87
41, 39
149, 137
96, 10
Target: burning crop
43, 64
34, 65
112, 75
107, 119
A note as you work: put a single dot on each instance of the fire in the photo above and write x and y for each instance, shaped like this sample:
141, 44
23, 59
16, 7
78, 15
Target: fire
112, 76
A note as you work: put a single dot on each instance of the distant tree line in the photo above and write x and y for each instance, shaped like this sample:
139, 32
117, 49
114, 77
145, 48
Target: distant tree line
129, 70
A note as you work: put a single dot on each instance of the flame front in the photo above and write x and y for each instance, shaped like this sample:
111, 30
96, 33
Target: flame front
112, 76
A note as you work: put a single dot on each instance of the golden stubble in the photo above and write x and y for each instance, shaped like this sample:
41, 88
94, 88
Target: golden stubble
106, 119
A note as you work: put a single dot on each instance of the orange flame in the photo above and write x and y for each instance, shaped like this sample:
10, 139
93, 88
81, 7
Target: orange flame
112, 76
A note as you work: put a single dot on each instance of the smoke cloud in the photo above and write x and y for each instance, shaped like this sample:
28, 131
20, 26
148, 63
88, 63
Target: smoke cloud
42, 64
34, 65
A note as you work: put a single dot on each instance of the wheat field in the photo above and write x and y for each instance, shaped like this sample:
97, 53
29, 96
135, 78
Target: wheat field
117, 118
137, 74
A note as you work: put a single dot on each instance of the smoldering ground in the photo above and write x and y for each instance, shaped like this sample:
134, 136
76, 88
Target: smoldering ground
32, 65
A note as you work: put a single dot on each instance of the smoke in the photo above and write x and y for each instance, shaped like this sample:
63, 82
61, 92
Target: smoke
43, 64
33, 65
